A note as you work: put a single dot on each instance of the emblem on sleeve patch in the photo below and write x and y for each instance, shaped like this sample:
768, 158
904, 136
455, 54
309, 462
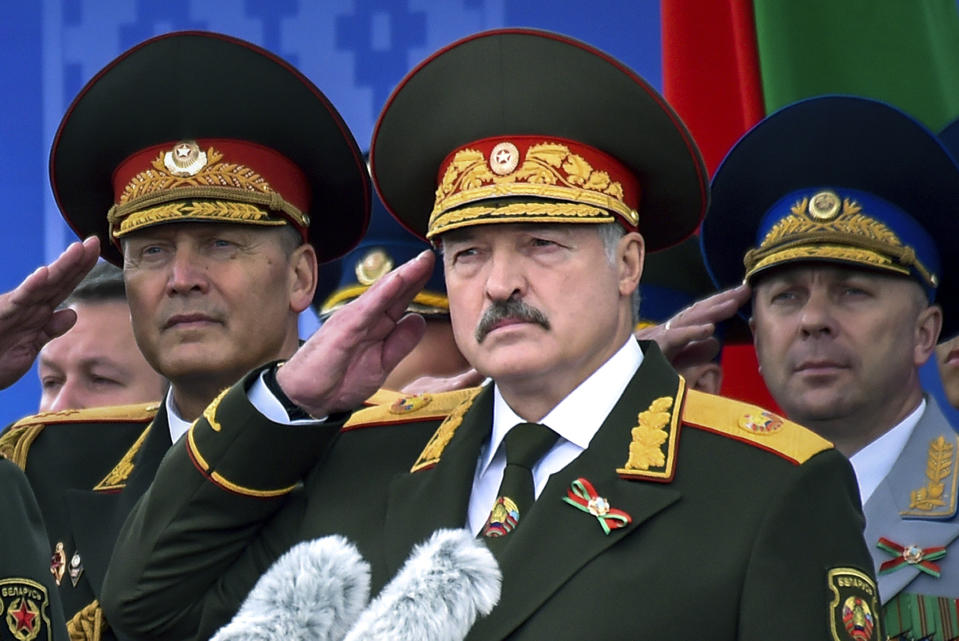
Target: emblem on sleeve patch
854, 609
24, 604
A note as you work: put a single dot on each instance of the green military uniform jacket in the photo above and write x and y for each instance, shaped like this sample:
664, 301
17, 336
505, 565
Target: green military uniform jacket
29, 603
743, 525
77, 462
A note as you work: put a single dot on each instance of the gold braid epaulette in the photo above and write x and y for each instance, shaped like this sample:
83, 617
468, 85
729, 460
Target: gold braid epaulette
406, 408
88, 624
133, 413
15, 442
753, 425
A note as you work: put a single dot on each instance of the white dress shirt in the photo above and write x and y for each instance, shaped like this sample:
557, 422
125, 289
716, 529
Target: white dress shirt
873, 462
178, 425
576, 419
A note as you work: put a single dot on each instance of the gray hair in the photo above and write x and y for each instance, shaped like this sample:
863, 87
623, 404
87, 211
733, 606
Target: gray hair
611, 234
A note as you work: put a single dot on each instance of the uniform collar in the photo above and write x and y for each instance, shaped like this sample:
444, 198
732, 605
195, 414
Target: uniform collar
578, 416
874, 462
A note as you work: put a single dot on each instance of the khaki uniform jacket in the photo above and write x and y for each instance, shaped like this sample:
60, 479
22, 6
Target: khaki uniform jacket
743, 525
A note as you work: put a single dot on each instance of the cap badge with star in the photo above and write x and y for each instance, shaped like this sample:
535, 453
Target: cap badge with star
132, 152
600, 146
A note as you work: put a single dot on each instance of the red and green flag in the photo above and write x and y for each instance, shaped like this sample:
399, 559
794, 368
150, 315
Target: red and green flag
727, 63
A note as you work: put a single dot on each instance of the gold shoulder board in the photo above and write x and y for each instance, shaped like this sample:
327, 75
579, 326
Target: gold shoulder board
16, 441
383, 396
752, 424
135, 413
410, 408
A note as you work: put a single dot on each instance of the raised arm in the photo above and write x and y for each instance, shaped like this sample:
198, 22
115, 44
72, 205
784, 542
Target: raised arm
29, 316
687, 338
225, 501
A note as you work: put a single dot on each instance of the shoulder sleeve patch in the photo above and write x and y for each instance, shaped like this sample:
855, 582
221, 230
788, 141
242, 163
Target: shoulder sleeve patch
854, 608
752, 424
136, 413
409, 409
25, 608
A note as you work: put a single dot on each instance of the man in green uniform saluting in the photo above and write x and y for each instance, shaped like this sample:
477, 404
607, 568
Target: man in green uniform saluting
170, 157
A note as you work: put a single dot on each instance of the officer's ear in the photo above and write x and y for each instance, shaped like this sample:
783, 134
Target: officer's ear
928, 326
303, 274
707, 377
630, 254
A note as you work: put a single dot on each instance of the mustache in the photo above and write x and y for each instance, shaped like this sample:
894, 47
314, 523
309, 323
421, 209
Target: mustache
510, 309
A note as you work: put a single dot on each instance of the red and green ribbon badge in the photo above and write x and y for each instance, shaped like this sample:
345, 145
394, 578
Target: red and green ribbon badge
921, 558
583, 496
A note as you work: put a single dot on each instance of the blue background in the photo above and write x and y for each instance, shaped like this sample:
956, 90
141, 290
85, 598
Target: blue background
354, 50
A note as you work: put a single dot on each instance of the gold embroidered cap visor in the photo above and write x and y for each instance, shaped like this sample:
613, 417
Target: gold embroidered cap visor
837, 179
205, 127
535, 127
210, 180
845, 226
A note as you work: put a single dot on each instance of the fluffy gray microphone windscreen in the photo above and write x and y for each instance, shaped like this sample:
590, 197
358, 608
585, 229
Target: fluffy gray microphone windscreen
314, 592
445, 584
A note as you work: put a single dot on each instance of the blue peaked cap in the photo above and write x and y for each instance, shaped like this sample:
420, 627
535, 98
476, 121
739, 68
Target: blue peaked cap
838, 179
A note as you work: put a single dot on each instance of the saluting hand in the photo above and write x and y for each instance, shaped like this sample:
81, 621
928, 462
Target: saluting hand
29, 316
349, 357
687, 338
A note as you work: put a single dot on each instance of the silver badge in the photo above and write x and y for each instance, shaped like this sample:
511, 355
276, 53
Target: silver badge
76, 568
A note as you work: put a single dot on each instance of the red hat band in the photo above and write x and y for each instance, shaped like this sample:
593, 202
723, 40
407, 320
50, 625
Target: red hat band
566, 181
212, 180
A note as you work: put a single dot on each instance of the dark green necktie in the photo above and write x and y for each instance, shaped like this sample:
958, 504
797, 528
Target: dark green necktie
526, 444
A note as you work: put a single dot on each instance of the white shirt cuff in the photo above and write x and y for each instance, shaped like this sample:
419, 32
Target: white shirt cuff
267, 404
